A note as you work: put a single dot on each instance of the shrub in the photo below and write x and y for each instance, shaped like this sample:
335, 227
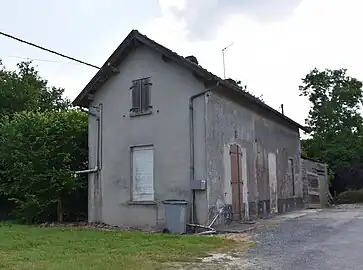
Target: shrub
350, 196
39, 153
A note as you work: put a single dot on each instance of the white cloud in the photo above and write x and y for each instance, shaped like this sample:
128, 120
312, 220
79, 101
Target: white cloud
201, 17
89, 30
272, 56
274, 46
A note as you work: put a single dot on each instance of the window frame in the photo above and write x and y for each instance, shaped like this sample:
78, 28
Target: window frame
141, 109
134, 199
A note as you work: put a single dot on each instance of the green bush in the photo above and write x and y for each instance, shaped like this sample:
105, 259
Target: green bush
39, 153
350, 196
42, 142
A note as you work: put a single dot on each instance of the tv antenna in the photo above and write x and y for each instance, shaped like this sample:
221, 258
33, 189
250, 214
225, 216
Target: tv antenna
224, 64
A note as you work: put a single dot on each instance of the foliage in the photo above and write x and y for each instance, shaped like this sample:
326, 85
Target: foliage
25, 90
350, 196
40, 152
334, 120
348, 178
244, 88
24, 247
43, 141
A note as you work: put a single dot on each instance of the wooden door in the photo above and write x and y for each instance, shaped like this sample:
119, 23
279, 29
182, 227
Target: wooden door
236, 181
272, 176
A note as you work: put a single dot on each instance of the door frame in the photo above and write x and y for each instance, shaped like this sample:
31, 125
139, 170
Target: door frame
272, 177
236, 181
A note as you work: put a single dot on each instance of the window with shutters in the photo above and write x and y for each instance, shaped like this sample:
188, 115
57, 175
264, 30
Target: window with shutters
142, 174
140, 93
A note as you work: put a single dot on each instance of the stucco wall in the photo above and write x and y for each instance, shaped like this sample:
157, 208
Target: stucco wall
259, 136
218, 122
167, 129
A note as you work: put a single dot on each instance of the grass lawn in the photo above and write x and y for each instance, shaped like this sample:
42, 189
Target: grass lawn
26, 247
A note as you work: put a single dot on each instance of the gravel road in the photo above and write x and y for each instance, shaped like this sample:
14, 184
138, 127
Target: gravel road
330, 239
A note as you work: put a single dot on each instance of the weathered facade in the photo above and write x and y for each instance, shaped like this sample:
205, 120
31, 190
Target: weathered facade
165, 130
267, 147
245, 156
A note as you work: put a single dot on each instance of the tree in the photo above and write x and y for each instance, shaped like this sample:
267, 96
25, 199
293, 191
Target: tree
334, 120
25, 90
39, 153
43, 141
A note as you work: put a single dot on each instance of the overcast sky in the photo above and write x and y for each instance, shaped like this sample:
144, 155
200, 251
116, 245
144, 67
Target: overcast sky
275, 42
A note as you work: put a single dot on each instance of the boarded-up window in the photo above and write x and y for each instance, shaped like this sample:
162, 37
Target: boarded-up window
140, 92
143, 173
291, 174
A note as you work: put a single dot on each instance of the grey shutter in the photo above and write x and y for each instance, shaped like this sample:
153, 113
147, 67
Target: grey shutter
136, 95
145, 95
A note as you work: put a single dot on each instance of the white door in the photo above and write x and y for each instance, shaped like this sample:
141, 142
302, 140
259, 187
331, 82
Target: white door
143, 174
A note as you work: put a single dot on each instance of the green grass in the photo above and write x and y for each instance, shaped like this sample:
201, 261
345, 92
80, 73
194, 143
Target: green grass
26, 247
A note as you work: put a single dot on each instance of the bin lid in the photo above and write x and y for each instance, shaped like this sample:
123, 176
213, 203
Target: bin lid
179, 202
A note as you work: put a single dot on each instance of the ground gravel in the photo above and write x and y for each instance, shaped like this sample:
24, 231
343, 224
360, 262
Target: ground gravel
330, 239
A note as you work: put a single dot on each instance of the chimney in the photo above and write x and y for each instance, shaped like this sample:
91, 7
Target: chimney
192, 59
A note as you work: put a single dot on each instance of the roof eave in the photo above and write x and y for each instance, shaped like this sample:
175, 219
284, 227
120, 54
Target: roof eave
82, 99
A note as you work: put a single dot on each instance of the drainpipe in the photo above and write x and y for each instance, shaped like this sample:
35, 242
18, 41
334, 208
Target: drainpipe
191, 141
98, 166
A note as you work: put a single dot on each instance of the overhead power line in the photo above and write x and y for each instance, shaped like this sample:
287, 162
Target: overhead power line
37, 59
48, 50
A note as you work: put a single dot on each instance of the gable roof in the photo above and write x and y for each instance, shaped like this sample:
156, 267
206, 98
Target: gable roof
134, 39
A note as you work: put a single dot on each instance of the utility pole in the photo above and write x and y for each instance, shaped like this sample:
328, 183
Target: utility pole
282, 108
224, 64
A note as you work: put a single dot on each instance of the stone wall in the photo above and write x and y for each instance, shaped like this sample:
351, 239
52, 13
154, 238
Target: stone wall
267, 145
